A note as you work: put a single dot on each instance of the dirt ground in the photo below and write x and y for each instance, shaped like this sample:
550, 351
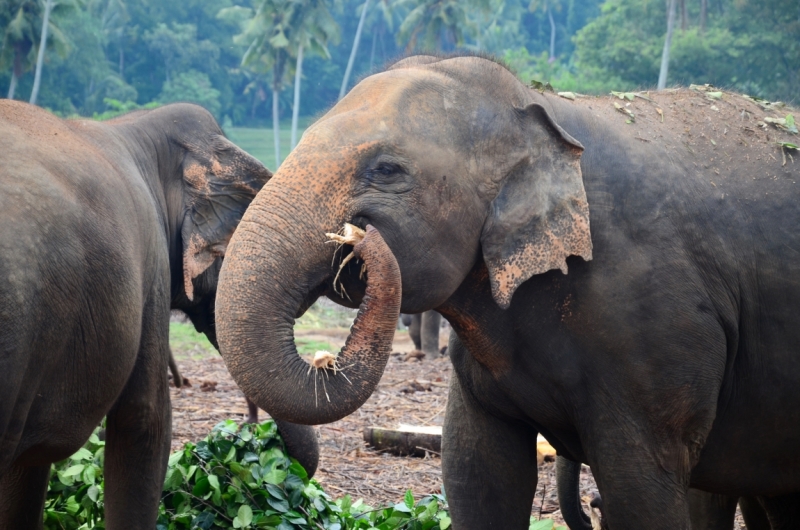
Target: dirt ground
410, 392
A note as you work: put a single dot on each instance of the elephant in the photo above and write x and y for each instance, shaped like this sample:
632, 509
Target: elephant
707, 511
106, 226
424, 331
620, 284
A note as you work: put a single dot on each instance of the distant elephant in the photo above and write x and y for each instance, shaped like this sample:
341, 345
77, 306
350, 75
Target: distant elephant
424, 331
668, 356
707, 511
104, 227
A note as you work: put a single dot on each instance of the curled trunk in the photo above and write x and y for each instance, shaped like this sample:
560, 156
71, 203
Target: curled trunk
263, 285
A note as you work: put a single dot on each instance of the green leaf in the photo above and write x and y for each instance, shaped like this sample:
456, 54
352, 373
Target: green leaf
75, 470
82, 454
213, 481
245, 515
544, 524
93, 493
409, 499
275, 476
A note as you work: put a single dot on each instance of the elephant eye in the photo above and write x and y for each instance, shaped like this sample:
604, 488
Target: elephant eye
386, 168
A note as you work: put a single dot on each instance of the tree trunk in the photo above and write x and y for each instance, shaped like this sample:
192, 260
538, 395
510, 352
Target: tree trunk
276, 127
13, 86
121, 62
703, 14
684, 16
552, 35
296, 105
662, 75
40, 58
374, 42
354, 50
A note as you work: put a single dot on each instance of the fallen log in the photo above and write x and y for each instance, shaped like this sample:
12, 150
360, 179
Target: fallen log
405, 440
417, 440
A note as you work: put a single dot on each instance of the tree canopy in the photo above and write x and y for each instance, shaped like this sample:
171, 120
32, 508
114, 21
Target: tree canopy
106, 55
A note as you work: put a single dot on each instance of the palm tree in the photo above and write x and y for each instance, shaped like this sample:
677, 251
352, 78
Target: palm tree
432, 23
312, 27
548, 6
662, 75
19, 37
22, 24
268, 47
37, 78
354, 49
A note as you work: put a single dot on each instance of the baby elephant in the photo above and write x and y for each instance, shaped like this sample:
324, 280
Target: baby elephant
104, 227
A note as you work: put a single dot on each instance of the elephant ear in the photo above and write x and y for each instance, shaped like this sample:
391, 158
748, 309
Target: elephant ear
540, 215
220, 180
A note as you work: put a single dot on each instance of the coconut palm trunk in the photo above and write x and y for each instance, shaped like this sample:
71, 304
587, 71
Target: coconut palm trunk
40, 57
552, 34
354, 50
12, 87
296, 104
662, 75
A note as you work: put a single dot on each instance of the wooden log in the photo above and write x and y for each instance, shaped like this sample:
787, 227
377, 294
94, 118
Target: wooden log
416, 440
405, 440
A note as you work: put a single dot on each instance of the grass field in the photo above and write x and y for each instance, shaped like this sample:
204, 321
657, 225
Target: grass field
259, 142
188, 343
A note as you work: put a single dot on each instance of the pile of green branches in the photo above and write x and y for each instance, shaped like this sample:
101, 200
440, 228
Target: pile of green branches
237, 477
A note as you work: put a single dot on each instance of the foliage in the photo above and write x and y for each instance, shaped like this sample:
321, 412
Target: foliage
191, 87
234, 478
434, 25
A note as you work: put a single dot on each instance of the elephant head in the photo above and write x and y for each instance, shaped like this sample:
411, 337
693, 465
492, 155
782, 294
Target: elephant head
214, 184
452, 162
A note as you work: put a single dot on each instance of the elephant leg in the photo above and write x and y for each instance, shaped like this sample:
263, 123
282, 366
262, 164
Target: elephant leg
783, 511
488, 466
414, 331
644, 482
754, 515
252, 411
22, 493
138, 435
429, 333
301, 444
711, 511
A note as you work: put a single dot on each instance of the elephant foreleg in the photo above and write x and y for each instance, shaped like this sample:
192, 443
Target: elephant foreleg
429, 333
488, 466
22, 492
755, 518
711, 511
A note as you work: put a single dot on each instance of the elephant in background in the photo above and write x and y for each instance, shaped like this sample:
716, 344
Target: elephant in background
105, 227
423, 328
628, 290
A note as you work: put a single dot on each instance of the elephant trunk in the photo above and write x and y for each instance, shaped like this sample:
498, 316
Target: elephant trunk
268, 275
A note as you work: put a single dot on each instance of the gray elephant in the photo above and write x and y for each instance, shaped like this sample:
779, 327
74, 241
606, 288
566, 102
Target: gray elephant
424, 329
105, 228
707, 511
620, 284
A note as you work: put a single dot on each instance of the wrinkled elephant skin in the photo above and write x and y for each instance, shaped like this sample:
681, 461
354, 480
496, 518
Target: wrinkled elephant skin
105, 227
630, 291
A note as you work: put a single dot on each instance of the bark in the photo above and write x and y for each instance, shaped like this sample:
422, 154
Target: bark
260, 293
12, 87
354, 50
40, 57
408, 440
121, 62
662, 75
296, 105
374, 42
